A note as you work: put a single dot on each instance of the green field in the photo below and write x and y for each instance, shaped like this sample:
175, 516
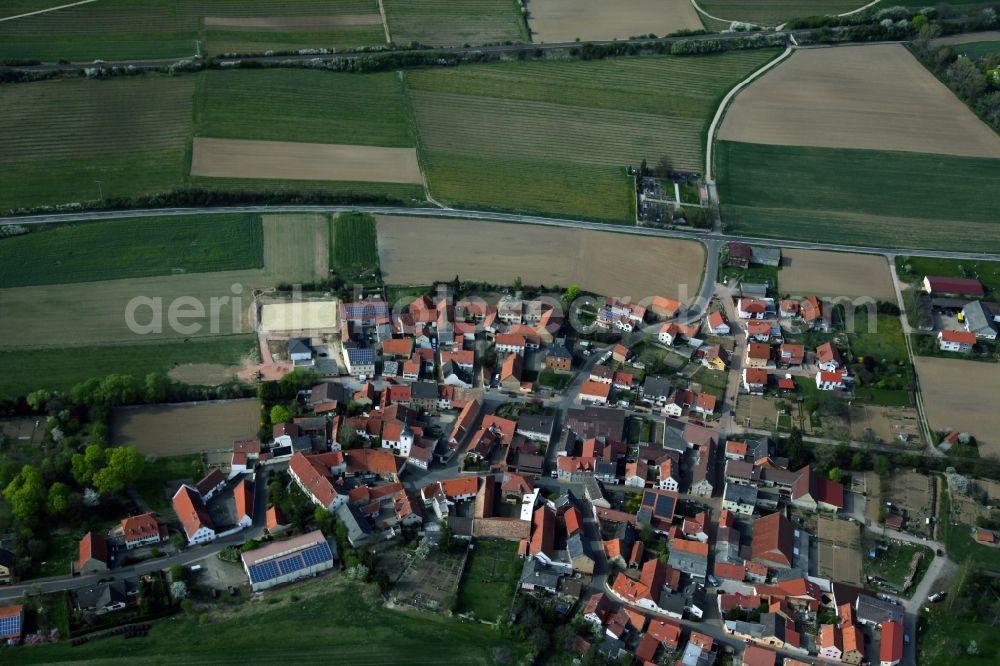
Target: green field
555, 137
354, 243
913, 269
454, 22
27, 370
967, 614
490, 579
863, 197
773, 12
959, 541
886, 342
330, 620
894, 564
126, 29
72, 140
979, 49
132, 247
157, 473
303, 105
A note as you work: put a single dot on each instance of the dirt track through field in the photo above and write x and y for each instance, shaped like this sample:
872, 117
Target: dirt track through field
94, 312
173, 430
603, 263
807, 272
874, 96
962, 395
565, 20
288, 160
293, 22
968, 38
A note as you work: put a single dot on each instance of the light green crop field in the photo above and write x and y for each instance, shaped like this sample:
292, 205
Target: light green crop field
25, 371
128, 248
70, 140
355, 243
773, 12
863, 197
304, 105
979, 49
124, 29
356, 629
455, 22
555, 137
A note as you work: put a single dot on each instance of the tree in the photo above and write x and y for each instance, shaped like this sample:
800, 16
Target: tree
325, 521
250, 544
178, 589
58, 501
176, 573
157, 387
280, 414
572, 293
26, 493
964, 77
124, 466
665, 167
835, 474
881, 465
37, 400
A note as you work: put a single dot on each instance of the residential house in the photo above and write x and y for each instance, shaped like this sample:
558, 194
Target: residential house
602, 374
788, 308
830, 642
751, 308
715, 358
93, 554
619, 353
874, 612
765, 256
978, 320
754, 380
699, 651
705, 404
656, 509
648, 590
773, 540
830, 381
739, 255
215, 480
510, 343
758, 330
814, 315
690, 557
891, 648
791, 355
664, 307
598, 609
656, 389
108, 596
510, 372
299, 352
359, 361
142, 530
538, 427
956, 341
758, 355
623, 381
559, 357
717, 324
739, 499
315, 475
621, 315
397, 348
701, 474
194, 517
813, 491
754, 655
828, 358
595, 392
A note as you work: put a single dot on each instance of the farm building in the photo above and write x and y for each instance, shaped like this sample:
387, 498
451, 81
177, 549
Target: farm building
305, 319
286, 561
953, 286
11, 621
979, 320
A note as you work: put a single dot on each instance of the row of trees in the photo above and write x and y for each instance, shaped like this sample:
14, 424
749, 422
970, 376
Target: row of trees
976, 82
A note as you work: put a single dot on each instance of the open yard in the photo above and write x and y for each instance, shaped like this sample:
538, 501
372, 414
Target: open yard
807, 272
568, 20
454, 22
538, 255
953, 393
295, 250
27, 370
894, 563
124, 29
839, 550
78, 139
161, 477
141, 247
286, 160
356, 628
490, 579
170, 430
883, 424
773, 12
881, 99
913, 493
568, 128
913, 269
862, 197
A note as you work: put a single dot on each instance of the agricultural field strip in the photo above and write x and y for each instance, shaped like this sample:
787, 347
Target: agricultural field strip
567, 20
968, 38
454, 22
954, 391
44, 6
34, 316
774, 12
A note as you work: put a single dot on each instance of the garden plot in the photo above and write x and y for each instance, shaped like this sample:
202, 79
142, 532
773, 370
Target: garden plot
873, 97
953, 393
587, 20
808, 272
884, 424
914, 493
839, 550
286, 160
538, 255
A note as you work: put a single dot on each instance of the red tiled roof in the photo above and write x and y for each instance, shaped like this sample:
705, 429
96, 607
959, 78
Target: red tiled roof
759, 351
665, 631
135, 528
698, 548
542, 532
755, 375
191, 511
754, 655
398, 346
596, 389
511, 367
730, 571
892, 642
372, 460
244, 499
947, 285
665, 306
715, 320
960, 337
773, 539
572, 520
210, 482
825, 353
706, 401
92, 547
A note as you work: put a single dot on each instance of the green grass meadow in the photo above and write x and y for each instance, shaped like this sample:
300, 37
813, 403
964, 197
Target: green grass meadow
556, 137
455, 22
330, 620
490, 579
27, 370
863, 197
157, 473
913, 269
131, 247
354, 243
979, 49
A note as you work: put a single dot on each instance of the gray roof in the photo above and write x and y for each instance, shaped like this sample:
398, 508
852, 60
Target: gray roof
577, 547
740, 494
877, 611
770, 254
753, 289
299, 346
597, 422
656, 386
536, 573
977, 319
688, 563
535, 423
424, 390
357, 525
558, 349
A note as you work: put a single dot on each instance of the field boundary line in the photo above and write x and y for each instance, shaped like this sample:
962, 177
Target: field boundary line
52, 9
694, 3
385, 21
724, 105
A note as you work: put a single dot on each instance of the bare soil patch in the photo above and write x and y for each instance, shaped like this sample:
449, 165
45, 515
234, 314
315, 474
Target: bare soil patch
603, 263
171, 430
22, 431
873, 97
884, 424
807, 272
961, 395
912, 492
293, 22
968, 38
287, 160
203, 374
565, 20
839, 550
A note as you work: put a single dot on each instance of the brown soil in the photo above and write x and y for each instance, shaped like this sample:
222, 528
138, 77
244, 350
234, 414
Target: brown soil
565, 20
808, 272
875, 96
170, 430
961, 395
293, 22
287, 160
206, 374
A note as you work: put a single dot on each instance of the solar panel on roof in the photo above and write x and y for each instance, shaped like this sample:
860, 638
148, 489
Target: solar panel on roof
664, 505
291, 563
10, 626
262, 571
317, 554
648, 497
